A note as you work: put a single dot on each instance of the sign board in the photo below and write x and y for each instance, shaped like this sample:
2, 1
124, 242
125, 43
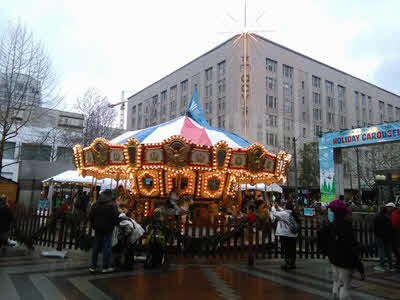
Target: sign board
309, 212
389, 132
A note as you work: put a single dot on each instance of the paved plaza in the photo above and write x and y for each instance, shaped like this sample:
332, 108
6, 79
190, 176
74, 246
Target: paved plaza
30, 277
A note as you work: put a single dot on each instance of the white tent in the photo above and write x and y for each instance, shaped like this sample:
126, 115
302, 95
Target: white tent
72, 176
261, 187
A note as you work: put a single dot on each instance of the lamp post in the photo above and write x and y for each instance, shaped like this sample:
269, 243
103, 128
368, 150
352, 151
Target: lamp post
358, 172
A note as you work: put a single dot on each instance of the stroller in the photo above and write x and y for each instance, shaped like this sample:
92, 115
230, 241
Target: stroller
125, 236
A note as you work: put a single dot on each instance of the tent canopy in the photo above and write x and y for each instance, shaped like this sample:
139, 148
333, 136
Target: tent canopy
192, 126
261, 187
72, 176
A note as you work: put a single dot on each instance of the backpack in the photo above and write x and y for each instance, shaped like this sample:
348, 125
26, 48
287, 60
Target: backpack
294, 227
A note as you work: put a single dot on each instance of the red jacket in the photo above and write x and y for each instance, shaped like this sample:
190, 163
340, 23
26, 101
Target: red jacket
396, 218
251, 217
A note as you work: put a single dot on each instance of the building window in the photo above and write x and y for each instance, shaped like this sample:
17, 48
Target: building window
330, 102
329, 87
271, 65
342, 122
302, 85
330, 118
316, 98
221, 122
270, 102
208, 90
369, 101
163, 96
316, 82
370, 115
304, 132
184, 86
317, 114
9, 150
381, 105
271, 83
390, 112
221, 87
271, 121
172, 92
341, 106
287, 141
133, 122
209, 74
35, 152
317, 130
288, 107
64, 154
397, 113
134, 110
221, 104
356, 99
272, 139
363, 102
304, 116
221, 68
341, 91
287, 90
288, 124
287, 71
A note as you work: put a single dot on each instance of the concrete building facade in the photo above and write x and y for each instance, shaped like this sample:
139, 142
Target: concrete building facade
290, 95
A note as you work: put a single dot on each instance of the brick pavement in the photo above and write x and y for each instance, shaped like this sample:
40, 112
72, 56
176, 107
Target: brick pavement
24, 277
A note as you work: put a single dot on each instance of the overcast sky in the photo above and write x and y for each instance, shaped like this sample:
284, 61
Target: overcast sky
127, 45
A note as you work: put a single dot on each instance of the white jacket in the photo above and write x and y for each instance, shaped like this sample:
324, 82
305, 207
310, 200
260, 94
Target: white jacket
283, 217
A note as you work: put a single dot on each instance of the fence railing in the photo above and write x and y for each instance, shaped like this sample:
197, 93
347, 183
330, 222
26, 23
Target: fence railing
256, 240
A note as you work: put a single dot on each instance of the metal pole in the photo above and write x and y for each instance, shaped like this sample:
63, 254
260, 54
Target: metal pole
358, 172
295, 166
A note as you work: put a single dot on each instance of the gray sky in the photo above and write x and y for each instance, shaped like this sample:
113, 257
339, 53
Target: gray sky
127, 45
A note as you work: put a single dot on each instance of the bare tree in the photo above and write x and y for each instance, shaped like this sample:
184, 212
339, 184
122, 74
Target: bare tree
27, 82
99, 117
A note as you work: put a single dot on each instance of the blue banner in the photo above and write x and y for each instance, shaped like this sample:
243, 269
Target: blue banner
389, 132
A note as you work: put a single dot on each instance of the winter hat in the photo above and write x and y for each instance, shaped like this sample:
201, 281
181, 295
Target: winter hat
339, 208
390, 204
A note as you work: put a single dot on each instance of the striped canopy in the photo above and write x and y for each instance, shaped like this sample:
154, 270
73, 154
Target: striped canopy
192, 126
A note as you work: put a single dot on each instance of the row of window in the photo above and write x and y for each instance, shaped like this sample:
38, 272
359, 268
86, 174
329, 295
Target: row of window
37, 152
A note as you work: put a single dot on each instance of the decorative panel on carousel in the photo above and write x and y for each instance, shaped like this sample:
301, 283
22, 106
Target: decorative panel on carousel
238, 160
200, 157
213, 184
221, 156
133, 153
176, 152
117, 156
89, 160
148, 183
153, 155
184, 180
269, 164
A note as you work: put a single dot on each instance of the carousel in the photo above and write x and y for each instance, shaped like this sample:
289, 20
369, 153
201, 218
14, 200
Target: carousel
203, 165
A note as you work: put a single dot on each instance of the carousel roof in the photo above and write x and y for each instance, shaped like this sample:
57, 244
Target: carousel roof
193, 126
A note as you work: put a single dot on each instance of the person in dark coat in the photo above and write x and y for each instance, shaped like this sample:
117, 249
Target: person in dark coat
383, 236
343, 250
6, 219
104, 217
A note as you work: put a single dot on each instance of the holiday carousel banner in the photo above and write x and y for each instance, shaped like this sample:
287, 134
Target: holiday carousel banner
349, 138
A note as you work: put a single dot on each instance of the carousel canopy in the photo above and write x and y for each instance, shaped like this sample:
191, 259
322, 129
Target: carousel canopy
73, 177
192, 126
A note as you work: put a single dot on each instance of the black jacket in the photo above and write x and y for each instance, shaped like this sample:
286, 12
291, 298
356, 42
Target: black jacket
6, 218
343, 249
383, 227
104, 216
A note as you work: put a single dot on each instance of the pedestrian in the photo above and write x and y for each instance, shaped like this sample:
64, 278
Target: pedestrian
395, 218
343, 250
6, 219
287, 236
103, 216
384, 237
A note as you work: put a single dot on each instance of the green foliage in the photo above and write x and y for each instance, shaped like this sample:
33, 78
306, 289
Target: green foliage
309, 164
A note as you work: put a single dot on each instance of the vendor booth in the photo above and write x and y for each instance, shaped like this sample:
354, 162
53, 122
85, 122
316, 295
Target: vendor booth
203, 165
63, 186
